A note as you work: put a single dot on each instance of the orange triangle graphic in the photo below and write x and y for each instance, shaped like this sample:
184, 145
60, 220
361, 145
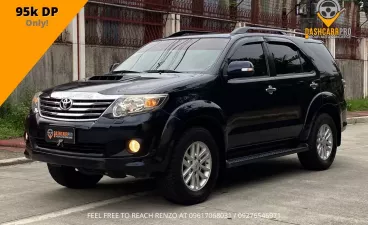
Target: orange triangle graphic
23, 43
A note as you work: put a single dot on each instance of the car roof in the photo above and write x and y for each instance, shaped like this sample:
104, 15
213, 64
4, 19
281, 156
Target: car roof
299, 40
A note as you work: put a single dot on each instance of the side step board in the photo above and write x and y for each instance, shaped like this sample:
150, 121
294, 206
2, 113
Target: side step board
262, 156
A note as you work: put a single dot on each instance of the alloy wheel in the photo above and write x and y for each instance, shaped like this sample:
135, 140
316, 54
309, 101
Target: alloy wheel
196, 166
324, 141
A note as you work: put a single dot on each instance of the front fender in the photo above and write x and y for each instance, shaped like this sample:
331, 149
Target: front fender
198, 110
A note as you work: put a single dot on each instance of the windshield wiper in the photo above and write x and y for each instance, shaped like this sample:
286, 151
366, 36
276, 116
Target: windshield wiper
162, 71
124, 71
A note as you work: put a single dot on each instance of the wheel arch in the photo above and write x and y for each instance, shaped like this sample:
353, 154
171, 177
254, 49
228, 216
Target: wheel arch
199, 113
325, 102
213, 126
333, 111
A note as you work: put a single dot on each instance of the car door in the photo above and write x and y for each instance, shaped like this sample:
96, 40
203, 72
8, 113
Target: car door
296, 82
248, 104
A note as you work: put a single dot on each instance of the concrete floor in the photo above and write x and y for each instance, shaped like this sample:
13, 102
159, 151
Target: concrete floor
339, 195
9, 153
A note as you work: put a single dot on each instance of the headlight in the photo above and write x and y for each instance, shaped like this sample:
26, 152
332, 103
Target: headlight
36, 102
137, 104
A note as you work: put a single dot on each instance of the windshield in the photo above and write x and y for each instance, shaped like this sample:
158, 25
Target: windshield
181, 55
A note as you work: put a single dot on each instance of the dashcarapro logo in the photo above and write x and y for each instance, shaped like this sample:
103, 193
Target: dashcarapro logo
328, 11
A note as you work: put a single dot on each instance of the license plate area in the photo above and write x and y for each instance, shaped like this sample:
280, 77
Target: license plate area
60, 135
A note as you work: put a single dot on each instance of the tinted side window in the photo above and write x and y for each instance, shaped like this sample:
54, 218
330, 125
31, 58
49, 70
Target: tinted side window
286, 59
307, 66
322, 58
253, 53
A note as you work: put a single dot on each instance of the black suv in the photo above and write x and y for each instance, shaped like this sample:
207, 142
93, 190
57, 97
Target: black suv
184, 108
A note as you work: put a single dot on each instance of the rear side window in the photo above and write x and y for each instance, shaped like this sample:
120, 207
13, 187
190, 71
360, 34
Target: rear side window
286, 59
306, 66
322, 58
253, 53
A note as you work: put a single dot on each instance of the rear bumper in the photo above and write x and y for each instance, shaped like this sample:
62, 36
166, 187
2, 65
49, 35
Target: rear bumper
343, 115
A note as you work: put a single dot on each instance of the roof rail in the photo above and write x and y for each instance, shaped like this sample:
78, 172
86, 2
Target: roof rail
243, 30
188, 32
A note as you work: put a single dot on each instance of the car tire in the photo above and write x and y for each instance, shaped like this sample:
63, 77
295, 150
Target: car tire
173, 185
321, 152
71, 178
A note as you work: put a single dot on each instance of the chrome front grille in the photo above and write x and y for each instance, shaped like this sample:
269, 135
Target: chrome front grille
81, 109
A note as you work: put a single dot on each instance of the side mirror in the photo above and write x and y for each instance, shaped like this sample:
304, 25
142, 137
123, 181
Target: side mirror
113, 67
239, 69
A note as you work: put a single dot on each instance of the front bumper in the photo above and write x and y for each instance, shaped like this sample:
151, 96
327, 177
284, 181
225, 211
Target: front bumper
101, 146
113, 167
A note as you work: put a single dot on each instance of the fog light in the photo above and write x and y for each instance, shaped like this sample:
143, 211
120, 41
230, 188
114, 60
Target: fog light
26, 136
134, 146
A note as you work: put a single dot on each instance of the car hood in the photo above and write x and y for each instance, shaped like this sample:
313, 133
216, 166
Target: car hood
129, 84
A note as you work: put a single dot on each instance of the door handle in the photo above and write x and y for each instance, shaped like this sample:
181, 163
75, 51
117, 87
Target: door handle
271, 89
314, 85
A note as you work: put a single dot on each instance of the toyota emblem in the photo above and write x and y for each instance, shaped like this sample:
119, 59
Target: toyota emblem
66, 103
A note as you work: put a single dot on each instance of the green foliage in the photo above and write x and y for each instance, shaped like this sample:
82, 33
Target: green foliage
12, 119
358, 105
12, 115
